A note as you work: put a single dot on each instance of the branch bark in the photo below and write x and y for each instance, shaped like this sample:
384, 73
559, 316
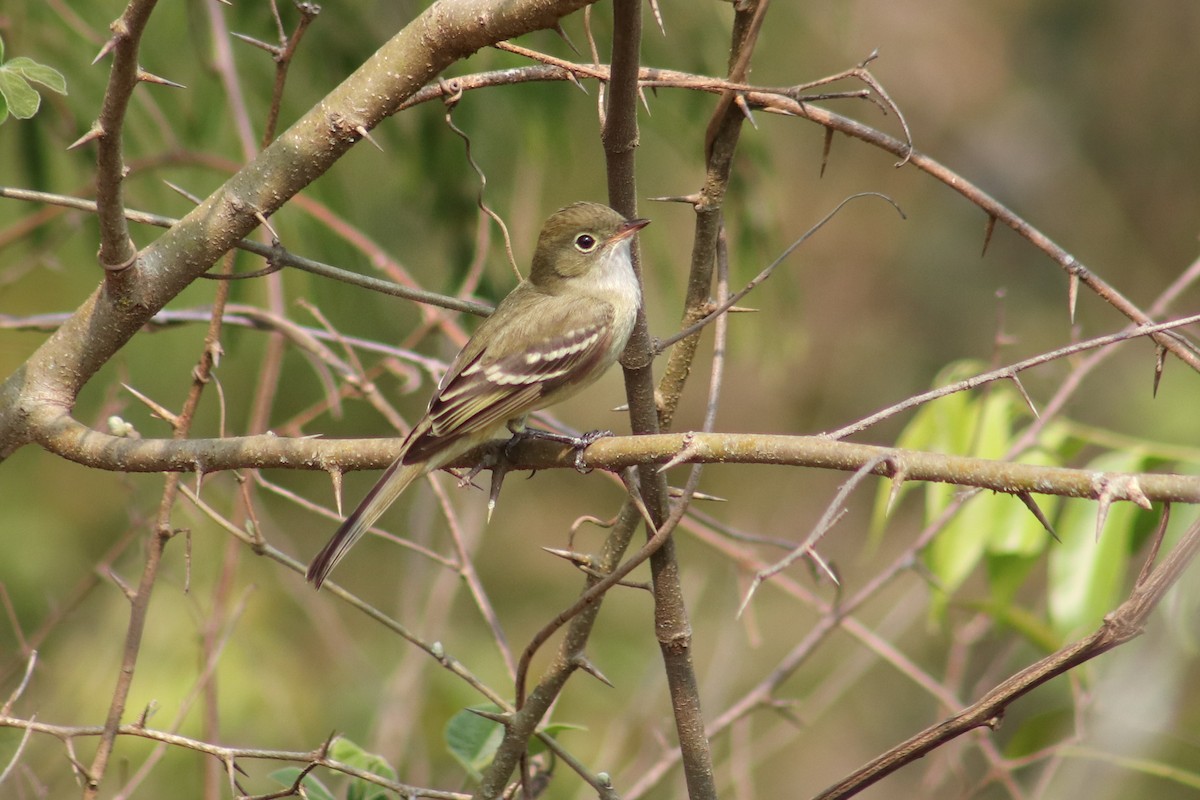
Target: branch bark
1126, 622
43, 390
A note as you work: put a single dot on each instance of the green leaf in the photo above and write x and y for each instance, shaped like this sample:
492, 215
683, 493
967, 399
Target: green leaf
346, 751
351, 754
473, 740
983, 428
1087, 577
30, 70
22, 100
314, 789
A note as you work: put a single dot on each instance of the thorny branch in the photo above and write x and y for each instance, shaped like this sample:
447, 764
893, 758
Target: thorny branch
740, 98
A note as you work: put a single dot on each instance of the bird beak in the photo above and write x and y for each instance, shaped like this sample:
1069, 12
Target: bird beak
628, 229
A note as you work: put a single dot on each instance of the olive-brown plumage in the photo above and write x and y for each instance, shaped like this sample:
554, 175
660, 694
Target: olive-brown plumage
554, 334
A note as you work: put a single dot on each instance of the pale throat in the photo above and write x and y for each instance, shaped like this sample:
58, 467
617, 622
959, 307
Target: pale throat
613, 279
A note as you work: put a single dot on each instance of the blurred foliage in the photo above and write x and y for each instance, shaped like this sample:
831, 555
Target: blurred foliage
17, 96
1070, 112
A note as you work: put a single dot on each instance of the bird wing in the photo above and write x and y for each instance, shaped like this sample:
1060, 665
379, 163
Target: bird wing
528, 357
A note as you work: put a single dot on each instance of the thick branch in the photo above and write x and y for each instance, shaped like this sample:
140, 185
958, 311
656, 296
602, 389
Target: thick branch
1123, 624
116, 248
615, 453
720, 145
445, 32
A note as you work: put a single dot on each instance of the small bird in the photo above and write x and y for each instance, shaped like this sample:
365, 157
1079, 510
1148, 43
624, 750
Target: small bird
553, 335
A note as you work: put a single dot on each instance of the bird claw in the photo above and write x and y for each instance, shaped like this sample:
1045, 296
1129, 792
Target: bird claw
581, 444
578, 443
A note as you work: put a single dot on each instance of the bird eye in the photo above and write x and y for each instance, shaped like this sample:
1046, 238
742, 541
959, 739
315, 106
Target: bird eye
585, 243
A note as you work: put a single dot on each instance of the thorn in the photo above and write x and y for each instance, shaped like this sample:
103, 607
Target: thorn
578, 559
658, 17
270, 48
150, 77
823, 566
183, 192
690, 199
1104, 503
585, 563
95, 132
675, 491
160, 411
1134, 493
573, 78
105, 50
562, 34
324, 751
1032, 505
742, 310
988, 230
826, 148
499, 471
1160, 362
898, 478
685, 452
1028, 400
740, 100
262, 220
335, 478
125, 588
645, 102
754, 584
366, 134
587, 666
1072, 293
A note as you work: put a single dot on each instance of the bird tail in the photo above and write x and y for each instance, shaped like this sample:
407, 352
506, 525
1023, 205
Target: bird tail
395, 480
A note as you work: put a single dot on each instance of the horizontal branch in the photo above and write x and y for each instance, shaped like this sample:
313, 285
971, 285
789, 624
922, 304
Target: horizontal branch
794, 101
229, 755
443, 33
79, 443
276, 255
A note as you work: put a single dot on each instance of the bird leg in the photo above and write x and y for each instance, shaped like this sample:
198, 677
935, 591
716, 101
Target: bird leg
500, 460
578, 443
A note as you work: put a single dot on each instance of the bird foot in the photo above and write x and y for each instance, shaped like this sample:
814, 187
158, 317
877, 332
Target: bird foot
578, 443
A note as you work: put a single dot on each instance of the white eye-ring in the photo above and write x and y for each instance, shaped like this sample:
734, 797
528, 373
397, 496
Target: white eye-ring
585, 242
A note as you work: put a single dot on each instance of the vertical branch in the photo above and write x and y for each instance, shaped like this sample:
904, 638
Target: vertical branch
117, 251
523, 722
139, 608
283, 60
116, 254
671, 622
721, 139
269, 372
141, 600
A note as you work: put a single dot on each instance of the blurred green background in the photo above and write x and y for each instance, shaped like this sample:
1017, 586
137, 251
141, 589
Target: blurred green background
1082, 117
